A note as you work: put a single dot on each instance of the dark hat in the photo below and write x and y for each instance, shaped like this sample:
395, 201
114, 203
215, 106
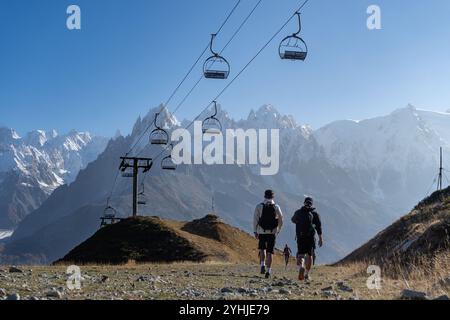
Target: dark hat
309, 200
269, 194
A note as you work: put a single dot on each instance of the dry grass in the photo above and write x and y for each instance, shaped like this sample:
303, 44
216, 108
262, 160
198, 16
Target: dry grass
426, 274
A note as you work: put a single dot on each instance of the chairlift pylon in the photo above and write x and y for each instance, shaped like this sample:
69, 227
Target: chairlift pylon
167, 162
293, 47
216, 66
212, 125
158, 135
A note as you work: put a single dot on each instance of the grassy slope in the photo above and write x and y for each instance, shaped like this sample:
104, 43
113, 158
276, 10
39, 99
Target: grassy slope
414, 247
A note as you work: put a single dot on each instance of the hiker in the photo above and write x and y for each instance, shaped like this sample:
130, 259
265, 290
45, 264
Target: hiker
267, 223
307, 222
287, 254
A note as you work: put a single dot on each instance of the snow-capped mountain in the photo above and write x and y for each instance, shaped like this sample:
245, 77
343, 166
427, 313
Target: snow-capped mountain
71, 213
32, 167
394, 157
363, 175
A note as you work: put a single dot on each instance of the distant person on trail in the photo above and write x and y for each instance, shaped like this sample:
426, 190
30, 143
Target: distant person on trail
307, 222
267, 223
287, 254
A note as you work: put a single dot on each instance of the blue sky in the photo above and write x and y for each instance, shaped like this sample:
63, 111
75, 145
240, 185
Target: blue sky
130, 55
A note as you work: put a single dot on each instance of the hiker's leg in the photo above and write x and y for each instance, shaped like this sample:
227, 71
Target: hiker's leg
300, 260
262, 257
308, 262
269, 260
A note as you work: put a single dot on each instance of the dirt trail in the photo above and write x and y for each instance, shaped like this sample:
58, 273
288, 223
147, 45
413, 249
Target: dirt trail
191, 281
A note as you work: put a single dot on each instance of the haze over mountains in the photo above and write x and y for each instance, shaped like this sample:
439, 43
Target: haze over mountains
362, 174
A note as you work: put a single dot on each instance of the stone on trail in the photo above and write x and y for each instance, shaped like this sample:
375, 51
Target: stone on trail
408, 294
343, 287
54, 293
329, 288
14, 269
14, 296
284, 291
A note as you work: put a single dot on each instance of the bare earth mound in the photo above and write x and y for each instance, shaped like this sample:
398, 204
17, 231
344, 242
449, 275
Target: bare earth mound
151, 239
418, 241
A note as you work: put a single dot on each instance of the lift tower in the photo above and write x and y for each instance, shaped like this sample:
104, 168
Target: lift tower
136, 164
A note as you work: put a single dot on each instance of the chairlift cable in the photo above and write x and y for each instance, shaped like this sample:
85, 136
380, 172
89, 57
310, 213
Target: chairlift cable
186, 76
249, 63
220, 53
243, 69
187, 95
175, 91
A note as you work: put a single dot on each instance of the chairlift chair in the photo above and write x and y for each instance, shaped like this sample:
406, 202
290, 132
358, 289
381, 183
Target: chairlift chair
212, 125
158, 136
216, 66
294, 47
127, 175
109, 213
141, 196
167, 162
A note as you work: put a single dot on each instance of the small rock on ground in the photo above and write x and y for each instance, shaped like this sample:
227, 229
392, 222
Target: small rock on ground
14, 296
408, 294
15, 270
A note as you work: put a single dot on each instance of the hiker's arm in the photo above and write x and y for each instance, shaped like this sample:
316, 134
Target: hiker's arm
280, 219
294, 218
318, 226
317, 223
256, 220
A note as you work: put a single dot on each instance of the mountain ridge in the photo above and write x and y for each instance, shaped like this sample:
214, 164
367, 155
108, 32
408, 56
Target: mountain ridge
32, 167
342, 198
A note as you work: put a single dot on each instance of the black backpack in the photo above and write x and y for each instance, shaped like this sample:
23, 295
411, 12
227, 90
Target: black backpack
268, 220
304, 223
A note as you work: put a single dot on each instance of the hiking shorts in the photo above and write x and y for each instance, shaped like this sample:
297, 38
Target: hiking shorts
306, 245
266, 242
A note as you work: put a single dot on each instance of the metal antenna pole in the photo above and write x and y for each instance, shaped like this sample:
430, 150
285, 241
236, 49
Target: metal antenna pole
441, 169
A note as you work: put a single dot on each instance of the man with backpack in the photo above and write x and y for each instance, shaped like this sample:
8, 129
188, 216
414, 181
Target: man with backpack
307, 222
267, 223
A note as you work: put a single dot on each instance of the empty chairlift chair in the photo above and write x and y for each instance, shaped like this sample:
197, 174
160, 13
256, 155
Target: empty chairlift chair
109, 216
158, 135
293, 47
124, 165
212, 125
109, 213
141, 197
167, 162
127, 174
216, 66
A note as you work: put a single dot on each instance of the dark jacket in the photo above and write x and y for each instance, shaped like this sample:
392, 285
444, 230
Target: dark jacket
317, 224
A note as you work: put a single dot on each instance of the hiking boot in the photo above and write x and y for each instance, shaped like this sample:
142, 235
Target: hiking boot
263, 269
267, 275
301, 274
307, 278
